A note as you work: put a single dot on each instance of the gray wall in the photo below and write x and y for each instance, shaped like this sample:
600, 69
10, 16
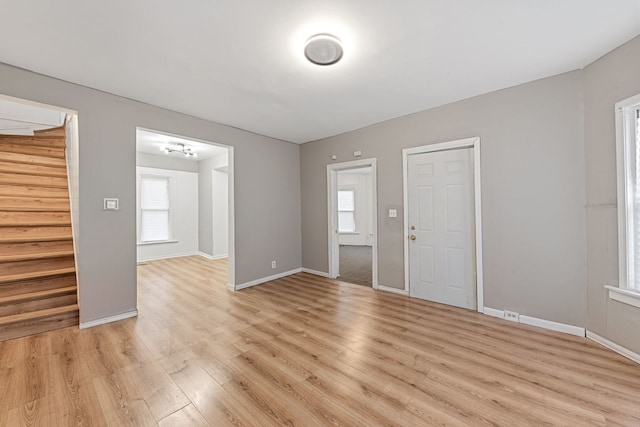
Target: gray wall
532, 192
205, 197
166, 162
612, 78
266, 183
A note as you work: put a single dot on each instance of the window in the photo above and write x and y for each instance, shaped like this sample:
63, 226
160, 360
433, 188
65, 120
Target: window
346, 211
628, 164
154, 209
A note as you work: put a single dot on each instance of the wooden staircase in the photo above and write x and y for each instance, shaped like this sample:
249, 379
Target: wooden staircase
38, 288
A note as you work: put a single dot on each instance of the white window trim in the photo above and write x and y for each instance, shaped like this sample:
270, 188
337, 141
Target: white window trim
172, 191
624, 132
355, 223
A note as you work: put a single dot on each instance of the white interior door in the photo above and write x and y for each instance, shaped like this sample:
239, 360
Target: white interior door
441, 227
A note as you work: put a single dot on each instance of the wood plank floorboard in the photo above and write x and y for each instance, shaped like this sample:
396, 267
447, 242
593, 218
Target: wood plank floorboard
307, 351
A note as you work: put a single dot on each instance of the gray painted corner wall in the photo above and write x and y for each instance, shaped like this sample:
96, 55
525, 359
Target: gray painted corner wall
610, 79
164, 161
266, 183
533, 192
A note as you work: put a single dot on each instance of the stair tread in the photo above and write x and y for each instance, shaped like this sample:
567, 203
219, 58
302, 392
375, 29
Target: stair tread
33, 150
33, 315
37, 284
27, 169
36, 274
29, 180
33, 191
36, 295
35, 255
29, 219
34, 204
50, 238
33, 159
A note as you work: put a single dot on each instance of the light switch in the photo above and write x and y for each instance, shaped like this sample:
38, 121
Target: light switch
111, 204
357, 153
393, 213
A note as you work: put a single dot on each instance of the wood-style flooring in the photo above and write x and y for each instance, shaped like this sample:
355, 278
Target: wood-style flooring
307, 351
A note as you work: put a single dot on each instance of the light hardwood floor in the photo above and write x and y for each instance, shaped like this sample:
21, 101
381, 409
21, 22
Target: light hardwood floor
307, 351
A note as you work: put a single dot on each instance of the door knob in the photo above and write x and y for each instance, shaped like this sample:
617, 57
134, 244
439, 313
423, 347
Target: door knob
412, 237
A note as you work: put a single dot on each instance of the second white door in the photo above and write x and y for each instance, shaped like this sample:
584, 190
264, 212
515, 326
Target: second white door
441, 227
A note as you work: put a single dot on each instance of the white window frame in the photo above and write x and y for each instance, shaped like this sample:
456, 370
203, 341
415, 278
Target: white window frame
171, 187
626, 137
355, 223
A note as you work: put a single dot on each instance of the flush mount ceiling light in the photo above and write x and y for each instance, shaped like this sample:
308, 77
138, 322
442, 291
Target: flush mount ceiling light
181, 149
323, 49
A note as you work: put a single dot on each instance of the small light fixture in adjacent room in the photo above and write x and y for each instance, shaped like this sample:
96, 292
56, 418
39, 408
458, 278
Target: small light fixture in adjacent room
323, 49
181, 149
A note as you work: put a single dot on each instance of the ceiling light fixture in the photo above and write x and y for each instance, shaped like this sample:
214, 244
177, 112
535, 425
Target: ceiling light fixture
323, 49
187, 152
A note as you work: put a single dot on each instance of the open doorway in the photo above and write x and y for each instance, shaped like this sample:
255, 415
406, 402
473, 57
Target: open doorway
184, 193
353, 222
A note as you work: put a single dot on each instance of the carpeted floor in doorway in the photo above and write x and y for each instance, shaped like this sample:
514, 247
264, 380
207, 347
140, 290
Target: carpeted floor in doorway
355, 264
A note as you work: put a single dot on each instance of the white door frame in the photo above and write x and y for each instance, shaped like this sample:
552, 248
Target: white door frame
473, 143
332, 211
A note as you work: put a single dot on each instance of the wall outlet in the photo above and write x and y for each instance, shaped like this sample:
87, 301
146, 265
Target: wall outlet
512, 316
273, 264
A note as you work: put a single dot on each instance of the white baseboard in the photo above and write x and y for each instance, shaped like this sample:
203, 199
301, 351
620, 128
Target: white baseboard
267, 279
613, 346
392, 290
167, 256
108, 319
494, 313
541, 323
554, 326
207, 256
315, 272
230, 287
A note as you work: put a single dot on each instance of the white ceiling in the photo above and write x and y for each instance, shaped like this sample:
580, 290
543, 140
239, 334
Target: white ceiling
240, 62
153, 143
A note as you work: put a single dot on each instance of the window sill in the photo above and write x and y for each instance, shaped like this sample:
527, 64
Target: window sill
348, 233
159, 242
624, 295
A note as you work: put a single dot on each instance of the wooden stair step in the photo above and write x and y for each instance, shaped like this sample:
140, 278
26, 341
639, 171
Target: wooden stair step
35, 250
31, 269
38, 284
36, 192
35, 255
35, 274
34, 234
53, 152
36, 301
33, 204
34, 141
37, 295
57, 132
7, 320
33, 180
20, 325
34, 268
32, 159
26, 169
32, 219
